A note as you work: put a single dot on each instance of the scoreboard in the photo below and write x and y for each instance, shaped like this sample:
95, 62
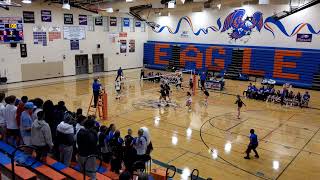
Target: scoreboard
11, 30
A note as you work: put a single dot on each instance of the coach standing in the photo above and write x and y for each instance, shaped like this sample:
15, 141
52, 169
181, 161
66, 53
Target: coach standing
252, 145
96, 87
203, 78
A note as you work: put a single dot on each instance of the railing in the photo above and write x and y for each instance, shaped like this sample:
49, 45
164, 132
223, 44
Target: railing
12, 156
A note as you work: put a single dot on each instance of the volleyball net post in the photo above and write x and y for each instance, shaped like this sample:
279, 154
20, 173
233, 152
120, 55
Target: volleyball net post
194, 79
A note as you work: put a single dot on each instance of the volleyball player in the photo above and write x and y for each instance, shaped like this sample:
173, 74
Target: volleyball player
189, 101
239, 102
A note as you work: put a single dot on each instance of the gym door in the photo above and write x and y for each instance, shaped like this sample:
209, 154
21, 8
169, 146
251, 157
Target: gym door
98, 62
82, 64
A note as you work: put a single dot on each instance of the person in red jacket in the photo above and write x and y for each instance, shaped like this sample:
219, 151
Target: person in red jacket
20, 109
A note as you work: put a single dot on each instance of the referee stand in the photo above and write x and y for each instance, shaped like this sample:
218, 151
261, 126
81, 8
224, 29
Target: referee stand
102, 106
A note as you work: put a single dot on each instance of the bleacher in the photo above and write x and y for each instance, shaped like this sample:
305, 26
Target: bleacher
299, 67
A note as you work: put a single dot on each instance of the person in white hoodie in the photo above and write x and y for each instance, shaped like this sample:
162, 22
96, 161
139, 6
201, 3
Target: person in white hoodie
65, 138
41, 137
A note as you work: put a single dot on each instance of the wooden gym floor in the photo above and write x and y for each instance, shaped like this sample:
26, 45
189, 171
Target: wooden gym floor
289, 137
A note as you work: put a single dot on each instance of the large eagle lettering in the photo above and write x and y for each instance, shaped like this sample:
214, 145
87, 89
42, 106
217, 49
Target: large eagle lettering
242, 26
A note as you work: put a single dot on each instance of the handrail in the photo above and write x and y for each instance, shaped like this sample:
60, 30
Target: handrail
171, 167
192, 174
13, 177
85, 163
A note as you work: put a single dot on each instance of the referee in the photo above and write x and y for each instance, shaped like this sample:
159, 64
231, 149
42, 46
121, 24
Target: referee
96, 87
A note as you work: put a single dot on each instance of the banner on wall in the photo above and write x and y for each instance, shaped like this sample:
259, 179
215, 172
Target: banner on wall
46, 16
74, 32
304, 37
123, 34
74, 45
39, 28
28, 17
98, 21
123, 46
132, 45
68, 18
54, 33
138, 23
126, 22
113, 21
40, 38
112, 37
83, 19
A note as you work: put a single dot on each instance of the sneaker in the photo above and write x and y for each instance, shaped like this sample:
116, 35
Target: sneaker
257, 156
247, 157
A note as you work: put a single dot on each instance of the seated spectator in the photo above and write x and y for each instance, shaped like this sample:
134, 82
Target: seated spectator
305, 99
247, 91
41, 137
26, 123
87, 140
9, 115
298, 99
2, 121
125, 175
65, 139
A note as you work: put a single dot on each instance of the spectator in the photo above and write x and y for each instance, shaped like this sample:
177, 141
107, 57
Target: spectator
87, 145
128, 138
252, 145
48, 110
20, 109
41, 136
26, 123
102, 147
38, 103
125, 175
80, 120
79, 112
9, 115
130, 153
305, 99
117, 152
2, 122
65, 139
140, 144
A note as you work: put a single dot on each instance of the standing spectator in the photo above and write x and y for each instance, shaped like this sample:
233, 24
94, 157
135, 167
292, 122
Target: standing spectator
26, 123
2, 122
140, 144
252, 145
119, 73
96, 87
130, 153
20, 109
102, 147
38, 103
48, 110
117, 152
128, 138
87, 145
41, 137
9, 115
79, 112
65, 139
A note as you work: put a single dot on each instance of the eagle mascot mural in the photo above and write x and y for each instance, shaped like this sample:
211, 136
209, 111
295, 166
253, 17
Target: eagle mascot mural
241, 26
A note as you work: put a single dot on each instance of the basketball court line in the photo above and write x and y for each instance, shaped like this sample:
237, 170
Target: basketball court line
297, 155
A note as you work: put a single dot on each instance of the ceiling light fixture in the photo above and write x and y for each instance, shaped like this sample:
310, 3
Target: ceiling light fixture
129, 1
219, 6
171, 4
66, 5
26, 1
109, 10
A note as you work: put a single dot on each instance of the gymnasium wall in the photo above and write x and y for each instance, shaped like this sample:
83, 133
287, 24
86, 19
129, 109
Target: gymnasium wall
58, 51
206, 41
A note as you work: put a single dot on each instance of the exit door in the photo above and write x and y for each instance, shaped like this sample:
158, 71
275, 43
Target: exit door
98, 62
82, 66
